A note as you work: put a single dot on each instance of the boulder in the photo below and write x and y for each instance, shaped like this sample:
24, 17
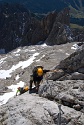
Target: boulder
73, 62
68, 92
55, 75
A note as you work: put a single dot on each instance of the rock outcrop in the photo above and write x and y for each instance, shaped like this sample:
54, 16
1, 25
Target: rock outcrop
69, 93
72, 67
12, 25
43, 30
20, 27
30, 109
60, 30
78, 35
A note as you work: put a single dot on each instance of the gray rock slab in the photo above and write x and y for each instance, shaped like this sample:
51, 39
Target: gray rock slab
30, 109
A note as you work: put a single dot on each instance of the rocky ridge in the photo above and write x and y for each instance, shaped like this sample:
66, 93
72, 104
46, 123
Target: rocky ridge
20, 27
34, 109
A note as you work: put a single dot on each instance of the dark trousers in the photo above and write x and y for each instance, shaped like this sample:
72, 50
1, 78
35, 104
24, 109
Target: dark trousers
36, 81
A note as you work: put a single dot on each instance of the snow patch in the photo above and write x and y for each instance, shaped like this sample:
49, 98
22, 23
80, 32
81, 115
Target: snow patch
29, 61
4, 98
1, 61
7, 73
18, 50
67, 54
32, 50
40, 58
17, 55
75, 46
44, 45
17, 77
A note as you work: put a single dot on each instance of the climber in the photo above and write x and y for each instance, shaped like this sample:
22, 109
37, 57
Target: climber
37, 77
21, 90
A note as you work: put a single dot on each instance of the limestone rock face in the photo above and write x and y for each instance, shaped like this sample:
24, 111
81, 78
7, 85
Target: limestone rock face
60, 30
78, 35
67, 92
74, 62
30, 109
20, 27
71, 67
42, 31
15, 24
